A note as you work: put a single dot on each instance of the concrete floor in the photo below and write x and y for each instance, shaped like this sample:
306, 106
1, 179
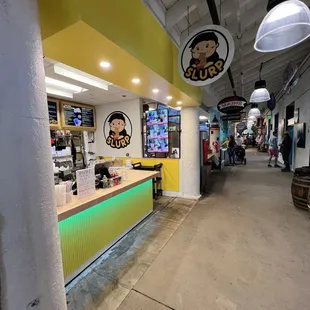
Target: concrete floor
244, 246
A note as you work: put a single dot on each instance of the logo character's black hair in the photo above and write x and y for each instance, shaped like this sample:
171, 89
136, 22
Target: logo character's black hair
206, 36
115, 116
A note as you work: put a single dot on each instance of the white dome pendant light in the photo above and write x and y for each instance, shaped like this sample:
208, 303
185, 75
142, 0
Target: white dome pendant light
254, 111
252, 118
260, 94
286, 24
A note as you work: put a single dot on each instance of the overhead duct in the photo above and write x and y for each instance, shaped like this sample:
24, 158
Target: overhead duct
216, 21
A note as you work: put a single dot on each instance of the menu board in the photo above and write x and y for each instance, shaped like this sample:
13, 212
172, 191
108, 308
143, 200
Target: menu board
157, 131
53, 113
85, 179
77, 116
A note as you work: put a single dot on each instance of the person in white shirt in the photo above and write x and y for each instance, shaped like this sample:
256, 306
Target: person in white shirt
273, 150
239, 140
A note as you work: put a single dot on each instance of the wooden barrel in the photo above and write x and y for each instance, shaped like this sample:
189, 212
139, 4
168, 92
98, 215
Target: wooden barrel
300, 187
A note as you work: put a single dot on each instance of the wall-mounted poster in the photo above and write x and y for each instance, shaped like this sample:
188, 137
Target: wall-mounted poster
117, 130
157, 131
301, 135
53, 113
206, 55
77, 116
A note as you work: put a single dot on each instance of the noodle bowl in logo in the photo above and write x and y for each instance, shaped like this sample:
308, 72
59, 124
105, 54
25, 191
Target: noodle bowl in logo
117, 130
206, 55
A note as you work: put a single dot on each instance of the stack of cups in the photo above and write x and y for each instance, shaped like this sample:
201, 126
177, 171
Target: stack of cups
60, 192
63, 193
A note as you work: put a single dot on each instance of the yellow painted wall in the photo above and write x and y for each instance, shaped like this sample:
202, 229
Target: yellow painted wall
170, 170
128, 24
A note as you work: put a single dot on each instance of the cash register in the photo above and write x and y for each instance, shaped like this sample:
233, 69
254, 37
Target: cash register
101, 171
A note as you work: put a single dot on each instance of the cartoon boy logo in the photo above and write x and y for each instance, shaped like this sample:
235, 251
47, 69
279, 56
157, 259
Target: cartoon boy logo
118, 136
205, 62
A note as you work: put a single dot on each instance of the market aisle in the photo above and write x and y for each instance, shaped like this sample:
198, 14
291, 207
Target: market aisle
244, 247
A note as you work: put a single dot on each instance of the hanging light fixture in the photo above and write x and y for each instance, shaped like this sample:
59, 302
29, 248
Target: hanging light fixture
286, 24
254, 111
252, 118
260, 94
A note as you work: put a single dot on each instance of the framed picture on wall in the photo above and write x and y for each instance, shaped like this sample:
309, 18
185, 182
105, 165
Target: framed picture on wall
301, 135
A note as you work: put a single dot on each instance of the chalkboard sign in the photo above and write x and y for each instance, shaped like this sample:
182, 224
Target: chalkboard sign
53, 113
78, 117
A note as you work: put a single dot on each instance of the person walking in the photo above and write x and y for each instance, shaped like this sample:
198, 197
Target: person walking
239, 140
273, 150
231, 150
285, 149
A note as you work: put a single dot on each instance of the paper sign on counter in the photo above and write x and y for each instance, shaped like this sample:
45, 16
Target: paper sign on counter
85, 182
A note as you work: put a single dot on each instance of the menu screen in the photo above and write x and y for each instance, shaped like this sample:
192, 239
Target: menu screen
157, 131
52, 112
78, 116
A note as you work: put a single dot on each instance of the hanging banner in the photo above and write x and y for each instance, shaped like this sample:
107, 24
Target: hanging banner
206, 55
232, 105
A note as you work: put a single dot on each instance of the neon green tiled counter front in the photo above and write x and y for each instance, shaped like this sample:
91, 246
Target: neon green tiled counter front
87, 234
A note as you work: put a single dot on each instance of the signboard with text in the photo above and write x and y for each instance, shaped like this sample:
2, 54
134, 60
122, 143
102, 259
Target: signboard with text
77, 116
85, 182
205, 55
232, 105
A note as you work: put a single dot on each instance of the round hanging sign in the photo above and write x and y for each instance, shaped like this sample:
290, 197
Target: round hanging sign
232, 105
206, 55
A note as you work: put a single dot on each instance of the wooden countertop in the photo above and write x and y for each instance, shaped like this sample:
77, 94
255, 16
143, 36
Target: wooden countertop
135, 177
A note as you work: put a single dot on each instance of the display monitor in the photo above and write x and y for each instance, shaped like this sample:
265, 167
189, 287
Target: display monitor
157, 139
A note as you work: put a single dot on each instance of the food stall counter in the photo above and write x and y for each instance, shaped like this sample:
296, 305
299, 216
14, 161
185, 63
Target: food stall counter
91, 225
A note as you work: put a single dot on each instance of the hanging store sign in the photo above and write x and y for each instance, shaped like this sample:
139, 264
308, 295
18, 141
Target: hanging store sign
206, 55
117, 130
232, 105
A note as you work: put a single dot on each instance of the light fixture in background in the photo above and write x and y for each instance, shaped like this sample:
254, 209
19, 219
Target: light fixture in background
254, 111
52, 83
260, 93
169, 97
57, 92
80, 76
286, 24
252, 118
155, 90
179, 102
202, 118
105, 64
135, 81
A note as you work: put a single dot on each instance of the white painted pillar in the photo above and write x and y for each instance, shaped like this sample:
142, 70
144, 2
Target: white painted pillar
190, 153
30, 258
